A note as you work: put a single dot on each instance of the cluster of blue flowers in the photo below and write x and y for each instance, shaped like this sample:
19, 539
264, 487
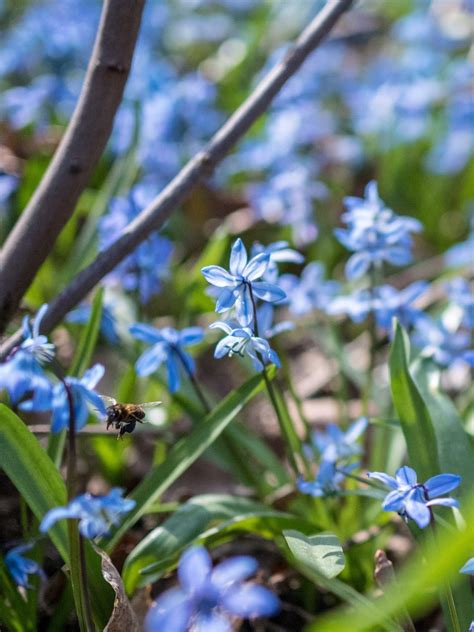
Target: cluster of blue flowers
239, 291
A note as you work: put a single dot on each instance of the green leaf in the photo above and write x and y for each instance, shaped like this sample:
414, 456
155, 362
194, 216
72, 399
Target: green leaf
36, 478
185, 453
321, 553
183, 527
88, 339
455, 450
266, 523
411, 409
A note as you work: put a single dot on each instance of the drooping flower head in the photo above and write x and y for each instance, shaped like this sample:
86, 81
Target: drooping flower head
83, 398
374, 233
414, 500
168, 346
21, 567
239, 285
240, 341
96, 514
34, 342
207, 597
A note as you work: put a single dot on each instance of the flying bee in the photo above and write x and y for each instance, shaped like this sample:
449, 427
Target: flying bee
125, 416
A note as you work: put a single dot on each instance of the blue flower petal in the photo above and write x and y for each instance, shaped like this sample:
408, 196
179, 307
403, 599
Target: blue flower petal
417, 510
468, 567
233, 570
58, 513
250, 601
151, 359
211, 622
216, 275
406, 476
226, 300
256, 267
357, 265
173, 374
442, 484
194, 569
238, 258
171, 612
268, 291
384, 478
145, 332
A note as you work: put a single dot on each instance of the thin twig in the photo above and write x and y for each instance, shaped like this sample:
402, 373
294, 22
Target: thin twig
202, 165
55, 199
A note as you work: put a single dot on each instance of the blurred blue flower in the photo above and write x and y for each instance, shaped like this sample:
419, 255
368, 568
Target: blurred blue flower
167, 346
462, 254
335, 444
278, 252
22, 374
207, 596
460, 293
288, 198
310, 291
238, 285
240, 341
375, 233
96, 514
33, 341
468, 567
143, 270
108, 329
20, 567
328, 480
442, 341
84, 399
412, 499
390, 303
357, 305
266, 328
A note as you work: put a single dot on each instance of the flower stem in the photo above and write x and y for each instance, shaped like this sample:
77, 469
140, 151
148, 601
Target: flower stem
284, 420
76, 548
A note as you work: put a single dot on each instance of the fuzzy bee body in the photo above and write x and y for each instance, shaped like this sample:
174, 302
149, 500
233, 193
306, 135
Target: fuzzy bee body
124, 417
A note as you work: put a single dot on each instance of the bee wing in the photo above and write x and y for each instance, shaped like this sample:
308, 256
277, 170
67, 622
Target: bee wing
149, 404
108, 401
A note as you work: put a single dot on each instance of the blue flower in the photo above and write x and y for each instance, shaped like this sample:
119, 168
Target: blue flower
20, 567
460, 293
442, 341
22, 374
328, 480
412, 499
240, 284
107, 322
143, 270
240, 340
167, 346
310, 291
357, 305
266, 328
96, 514
33, 341
334, 444
279, 252
84, 399
390, 303
207, 596
375, 233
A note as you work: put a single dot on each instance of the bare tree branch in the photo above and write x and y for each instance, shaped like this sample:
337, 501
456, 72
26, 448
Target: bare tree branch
54, 201
154, 216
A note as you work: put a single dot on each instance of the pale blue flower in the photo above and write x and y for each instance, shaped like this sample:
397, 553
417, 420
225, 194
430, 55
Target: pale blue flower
84, 400
335, 444
328, 480
390, 303
414, 500
240, 341
468, 567
96, 514
34, 342
21, 567
462, 294
167, 347
207, 597
374, 233
22, 374
266, 328
442, 341
279, 252
240, 284
310, 291
357, 305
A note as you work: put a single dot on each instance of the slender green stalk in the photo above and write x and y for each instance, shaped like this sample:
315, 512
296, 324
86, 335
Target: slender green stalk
284, 421
76, 550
